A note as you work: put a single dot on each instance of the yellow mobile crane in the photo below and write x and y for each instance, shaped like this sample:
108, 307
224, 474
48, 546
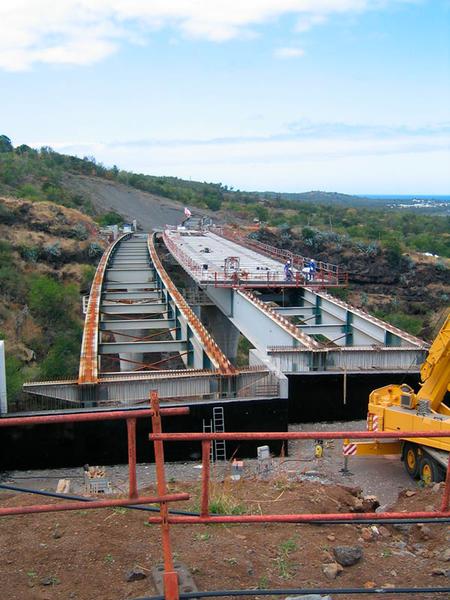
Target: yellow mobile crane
399, 408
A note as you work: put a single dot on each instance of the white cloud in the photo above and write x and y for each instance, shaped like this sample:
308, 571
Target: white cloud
306, 22
370, 166
177, 155
289, 52
86, 31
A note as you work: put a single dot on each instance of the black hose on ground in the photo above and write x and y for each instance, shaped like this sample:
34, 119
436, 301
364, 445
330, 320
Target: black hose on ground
429, 521
84, 499
303, 591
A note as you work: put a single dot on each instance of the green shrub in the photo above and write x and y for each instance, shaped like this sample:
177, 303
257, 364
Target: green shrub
5, 144
109, 218
94, 250
87, 277
409, 323
393, 252
30, 253
6, 216
52, 252
62, 359
80, 232
14, 377
340, 292
50, 301
13, 286
30, 191
5, 253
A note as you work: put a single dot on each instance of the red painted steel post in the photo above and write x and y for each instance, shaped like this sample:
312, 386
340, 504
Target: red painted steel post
446, 496
206, 463
131, 432
171, 590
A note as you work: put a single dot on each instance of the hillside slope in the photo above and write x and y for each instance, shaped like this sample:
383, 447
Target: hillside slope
47, 259
150, 210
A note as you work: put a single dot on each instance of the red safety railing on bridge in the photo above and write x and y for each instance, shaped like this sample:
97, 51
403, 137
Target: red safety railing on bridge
327, 274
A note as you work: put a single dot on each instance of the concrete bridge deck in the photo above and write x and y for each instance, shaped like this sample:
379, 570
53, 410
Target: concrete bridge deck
215, 258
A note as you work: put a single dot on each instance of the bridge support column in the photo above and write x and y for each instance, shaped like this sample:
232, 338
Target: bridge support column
126, 358
225, 334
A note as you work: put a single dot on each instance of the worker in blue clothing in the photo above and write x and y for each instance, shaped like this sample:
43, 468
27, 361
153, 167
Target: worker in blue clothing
288, 273
312, 269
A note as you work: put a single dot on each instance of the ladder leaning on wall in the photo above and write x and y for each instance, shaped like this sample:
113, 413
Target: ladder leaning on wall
216, 425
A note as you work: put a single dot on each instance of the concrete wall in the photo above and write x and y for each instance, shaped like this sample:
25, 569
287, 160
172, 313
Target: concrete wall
105, 443
320, 397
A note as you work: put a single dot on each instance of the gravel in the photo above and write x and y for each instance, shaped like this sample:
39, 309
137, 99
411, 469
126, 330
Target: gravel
383, 477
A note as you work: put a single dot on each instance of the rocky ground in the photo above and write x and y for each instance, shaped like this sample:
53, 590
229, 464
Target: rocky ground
110, 554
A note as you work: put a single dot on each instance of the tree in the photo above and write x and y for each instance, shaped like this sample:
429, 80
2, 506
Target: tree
24, 149
5, 144
393, 252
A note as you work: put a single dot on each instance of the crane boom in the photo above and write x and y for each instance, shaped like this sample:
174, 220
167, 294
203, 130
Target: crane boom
435, 371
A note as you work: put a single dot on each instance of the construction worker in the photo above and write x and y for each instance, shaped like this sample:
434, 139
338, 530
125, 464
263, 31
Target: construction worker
288, 273
312, 268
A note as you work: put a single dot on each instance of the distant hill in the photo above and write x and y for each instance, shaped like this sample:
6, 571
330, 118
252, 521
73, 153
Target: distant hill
89, 186
85, 184
322, 198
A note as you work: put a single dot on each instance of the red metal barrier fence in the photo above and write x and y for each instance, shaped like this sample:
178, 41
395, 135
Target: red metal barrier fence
165, 519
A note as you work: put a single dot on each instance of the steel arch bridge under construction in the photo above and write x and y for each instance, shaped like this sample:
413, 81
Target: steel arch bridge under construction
145, 332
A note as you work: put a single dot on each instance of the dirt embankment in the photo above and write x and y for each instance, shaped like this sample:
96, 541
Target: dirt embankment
39, 238
87, 554
151, 211
47, 235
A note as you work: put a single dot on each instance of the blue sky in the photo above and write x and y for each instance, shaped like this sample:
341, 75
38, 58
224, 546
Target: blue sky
287, 95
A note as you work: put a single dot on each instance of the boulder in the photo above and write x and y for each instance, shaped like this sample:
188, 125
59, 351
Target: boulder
331, 570
348, 555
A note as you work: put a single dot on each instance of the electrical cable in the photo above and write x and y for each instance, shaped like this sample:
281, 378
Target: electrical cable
303, 591
430, 520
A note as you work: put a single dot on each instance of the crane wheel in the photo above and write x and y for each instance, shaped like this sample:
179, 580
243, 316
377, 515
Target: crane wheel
411, 460
430, 471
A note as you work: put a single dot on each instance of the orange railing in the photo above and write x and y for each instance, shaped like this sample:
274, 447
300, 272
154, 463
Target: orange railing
167, 518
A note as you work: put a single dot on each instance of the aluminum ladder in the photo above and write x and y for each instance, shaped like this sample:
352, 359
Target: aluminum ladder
216, 425
218, 419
